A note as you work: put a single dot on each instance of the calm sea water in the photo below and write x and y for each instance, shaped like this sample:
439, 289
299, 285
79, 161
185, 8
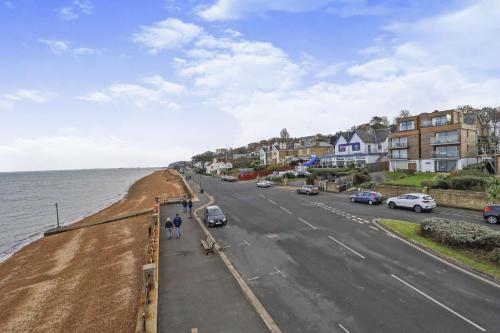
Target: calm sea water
27, 200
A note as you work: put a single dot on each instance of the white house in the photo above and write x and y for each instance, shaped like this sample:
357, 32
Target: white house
358, 148
198, 165
217, 167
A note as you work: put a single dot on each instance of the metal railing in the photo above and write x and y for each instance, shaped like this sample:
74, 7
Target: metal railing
399, 144
429, 123
449, 155
445, 140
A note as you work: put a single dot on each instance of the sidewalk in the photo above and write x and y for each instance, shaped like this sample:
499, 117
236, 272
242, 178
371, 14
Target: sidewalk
197, 291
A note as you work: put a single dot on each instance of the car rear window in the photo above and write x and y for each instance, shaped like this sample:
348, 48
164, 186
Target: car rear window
427, 198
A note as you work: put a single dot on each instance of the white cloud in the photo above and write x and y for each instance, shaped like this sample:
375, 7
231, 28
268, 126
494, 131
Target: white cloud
237, 9
75, 9
153, 91
56, 46
9, 4
9, 100
46, 152
59, 47
171, 33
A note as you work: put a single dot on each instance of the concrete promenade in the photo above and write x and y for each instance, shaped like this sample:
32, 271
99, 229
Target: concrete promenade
197, 293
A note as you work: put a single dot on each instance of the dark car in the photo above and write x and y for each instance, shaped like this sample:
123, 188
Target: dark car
369, 197
491, 214
308, 189
214, 216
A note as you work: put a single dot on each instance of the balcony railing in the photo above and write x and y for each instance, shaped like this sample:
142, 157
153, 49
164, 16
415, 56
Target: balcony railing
398, 157
445, 140
428, 123
445, 155
399, 145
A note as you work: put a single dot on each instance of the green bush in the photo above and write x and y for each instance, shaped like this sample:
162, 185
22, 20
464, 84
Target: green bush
310, 180
441, 181
276, 179
361, 177
367, 185
289, 175
495, 256
460, 234
467, 183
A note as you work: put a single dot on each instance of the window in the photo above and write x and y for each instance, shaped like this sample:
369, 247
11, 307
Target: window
342, 148
399, 154
397, 143
444, 166
441, 120
380, 146
369, 149
446, 151
406, 125
447, 137
355, 146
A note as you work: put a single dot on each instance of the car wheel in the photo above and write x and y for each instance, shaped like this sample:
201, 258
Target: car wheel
353, 200
298, 191
308, 193
417, 209
492, 219
370, 202
392, 205
225, 223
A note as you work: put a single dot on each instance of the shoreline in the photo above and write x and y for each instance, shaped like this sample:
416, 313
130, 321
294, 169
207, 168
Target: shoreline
88, 279
22, 243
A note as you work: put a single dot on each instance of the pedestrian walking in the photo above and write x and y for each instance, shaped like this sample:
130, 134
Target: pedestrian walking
190, 206
169, 226
177, 225
184, 205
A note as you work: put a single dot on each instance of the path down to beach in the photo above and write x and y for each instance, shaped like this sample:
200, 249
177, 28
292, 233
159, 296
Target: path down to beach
85, 280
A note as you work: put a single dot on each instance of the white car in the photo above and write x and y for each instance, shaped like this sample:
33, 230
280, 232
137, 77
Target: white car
416, 201
264, 183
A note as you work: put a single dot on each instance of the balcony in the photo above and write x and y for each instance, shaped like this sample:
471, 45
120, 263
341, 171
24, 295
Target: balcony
398, 145
454, 140
398, 157
429, 123
445, 155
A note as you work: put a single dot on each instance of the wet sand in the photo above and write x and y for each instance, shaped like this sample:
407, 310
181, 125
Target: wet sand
85, 280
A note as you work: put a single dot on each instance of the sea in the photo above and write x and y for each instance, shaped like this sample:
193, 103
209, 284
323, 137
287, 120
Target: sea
27, 200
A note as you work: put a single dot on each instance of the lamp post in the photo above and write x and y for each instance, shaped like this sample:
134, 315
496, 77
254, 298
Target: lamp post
57, 216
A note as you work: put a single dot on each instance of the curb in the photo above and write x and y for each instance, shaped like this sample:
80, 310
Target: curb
489, 279
259, 308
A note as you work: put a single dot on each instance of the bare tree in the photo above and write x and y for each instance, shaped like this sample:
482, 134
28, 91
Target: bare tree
465, 108
403, 114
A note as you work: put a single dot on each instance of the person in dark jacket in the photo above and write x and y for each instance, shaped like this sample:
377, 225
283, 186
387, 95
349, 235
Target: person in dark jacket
184, 205
169, 226
177, 225
190, 206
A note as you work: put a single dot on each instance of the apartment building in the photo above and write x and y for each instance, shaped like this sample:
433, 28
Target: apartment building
319, 149
434, 142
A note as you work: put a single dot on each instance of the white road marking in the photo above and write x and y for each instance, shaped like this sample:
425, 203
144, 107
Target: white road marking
228, 226
226, 247
274, 203
373, 227
280, 272
345, 329
309, 224
254, 278
262, 196
439, 303
347, 247
286, 210
245, 242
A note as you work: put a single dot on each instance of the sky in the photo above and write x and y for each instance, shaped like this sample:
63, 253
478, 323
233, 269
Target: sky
103, 84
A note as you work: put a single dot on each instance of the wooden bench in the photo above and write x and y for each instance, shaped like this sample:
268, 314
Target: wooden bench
208, 244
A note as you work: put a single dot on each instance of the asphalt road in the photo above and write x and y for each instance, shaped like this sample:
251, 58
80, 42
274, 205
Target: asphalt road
319, 265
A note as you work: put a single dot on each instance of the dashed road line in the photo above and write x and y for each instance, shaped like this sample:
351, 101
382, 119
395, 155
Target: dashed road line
254, 278
277, 272
309, 224
439, 303
244, 242
286, 210
343, 328
347, 247
274, 203
226, 247
373, 227
262, 196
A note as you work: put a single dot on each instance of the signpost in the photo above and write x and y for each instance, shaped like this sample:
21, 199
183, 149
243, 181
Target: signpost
57, 215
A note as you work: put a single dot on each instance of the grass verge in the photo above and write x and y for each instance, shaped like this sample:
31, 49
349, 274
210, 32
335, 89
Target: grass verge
469, 258
399, 178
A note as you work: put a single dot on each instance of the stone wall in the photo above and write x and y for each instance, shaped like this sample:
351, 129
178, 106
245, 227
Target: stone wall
451, 198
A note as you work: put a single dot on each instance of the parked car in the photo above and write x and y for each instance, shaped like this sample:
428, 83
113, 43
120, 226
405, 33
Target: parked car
214, 216
308, 189
264, 183
416, 201
230, 179
223, 178
491, 213
369, 197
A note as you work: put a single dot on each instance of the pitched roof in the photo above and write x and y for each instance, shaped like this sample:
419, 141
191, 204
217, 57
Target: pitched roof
373, 136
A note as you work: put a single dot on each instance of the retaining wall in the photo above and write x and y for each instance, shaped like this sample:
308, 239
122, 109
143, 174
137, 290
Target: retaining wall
451, 198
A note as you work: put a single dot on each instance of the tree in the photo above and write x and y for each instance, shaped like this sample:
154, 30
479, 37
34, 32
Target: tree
403, 114
465, 108
284, 134
493, 189
378, 122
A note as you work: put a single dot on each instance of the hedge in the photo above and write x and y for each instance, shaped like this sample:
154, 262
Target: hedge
460, 234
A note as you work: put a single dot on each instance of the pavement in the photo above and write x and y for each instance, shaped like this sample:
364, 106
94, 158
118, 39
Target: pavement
197, 293
318, 264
